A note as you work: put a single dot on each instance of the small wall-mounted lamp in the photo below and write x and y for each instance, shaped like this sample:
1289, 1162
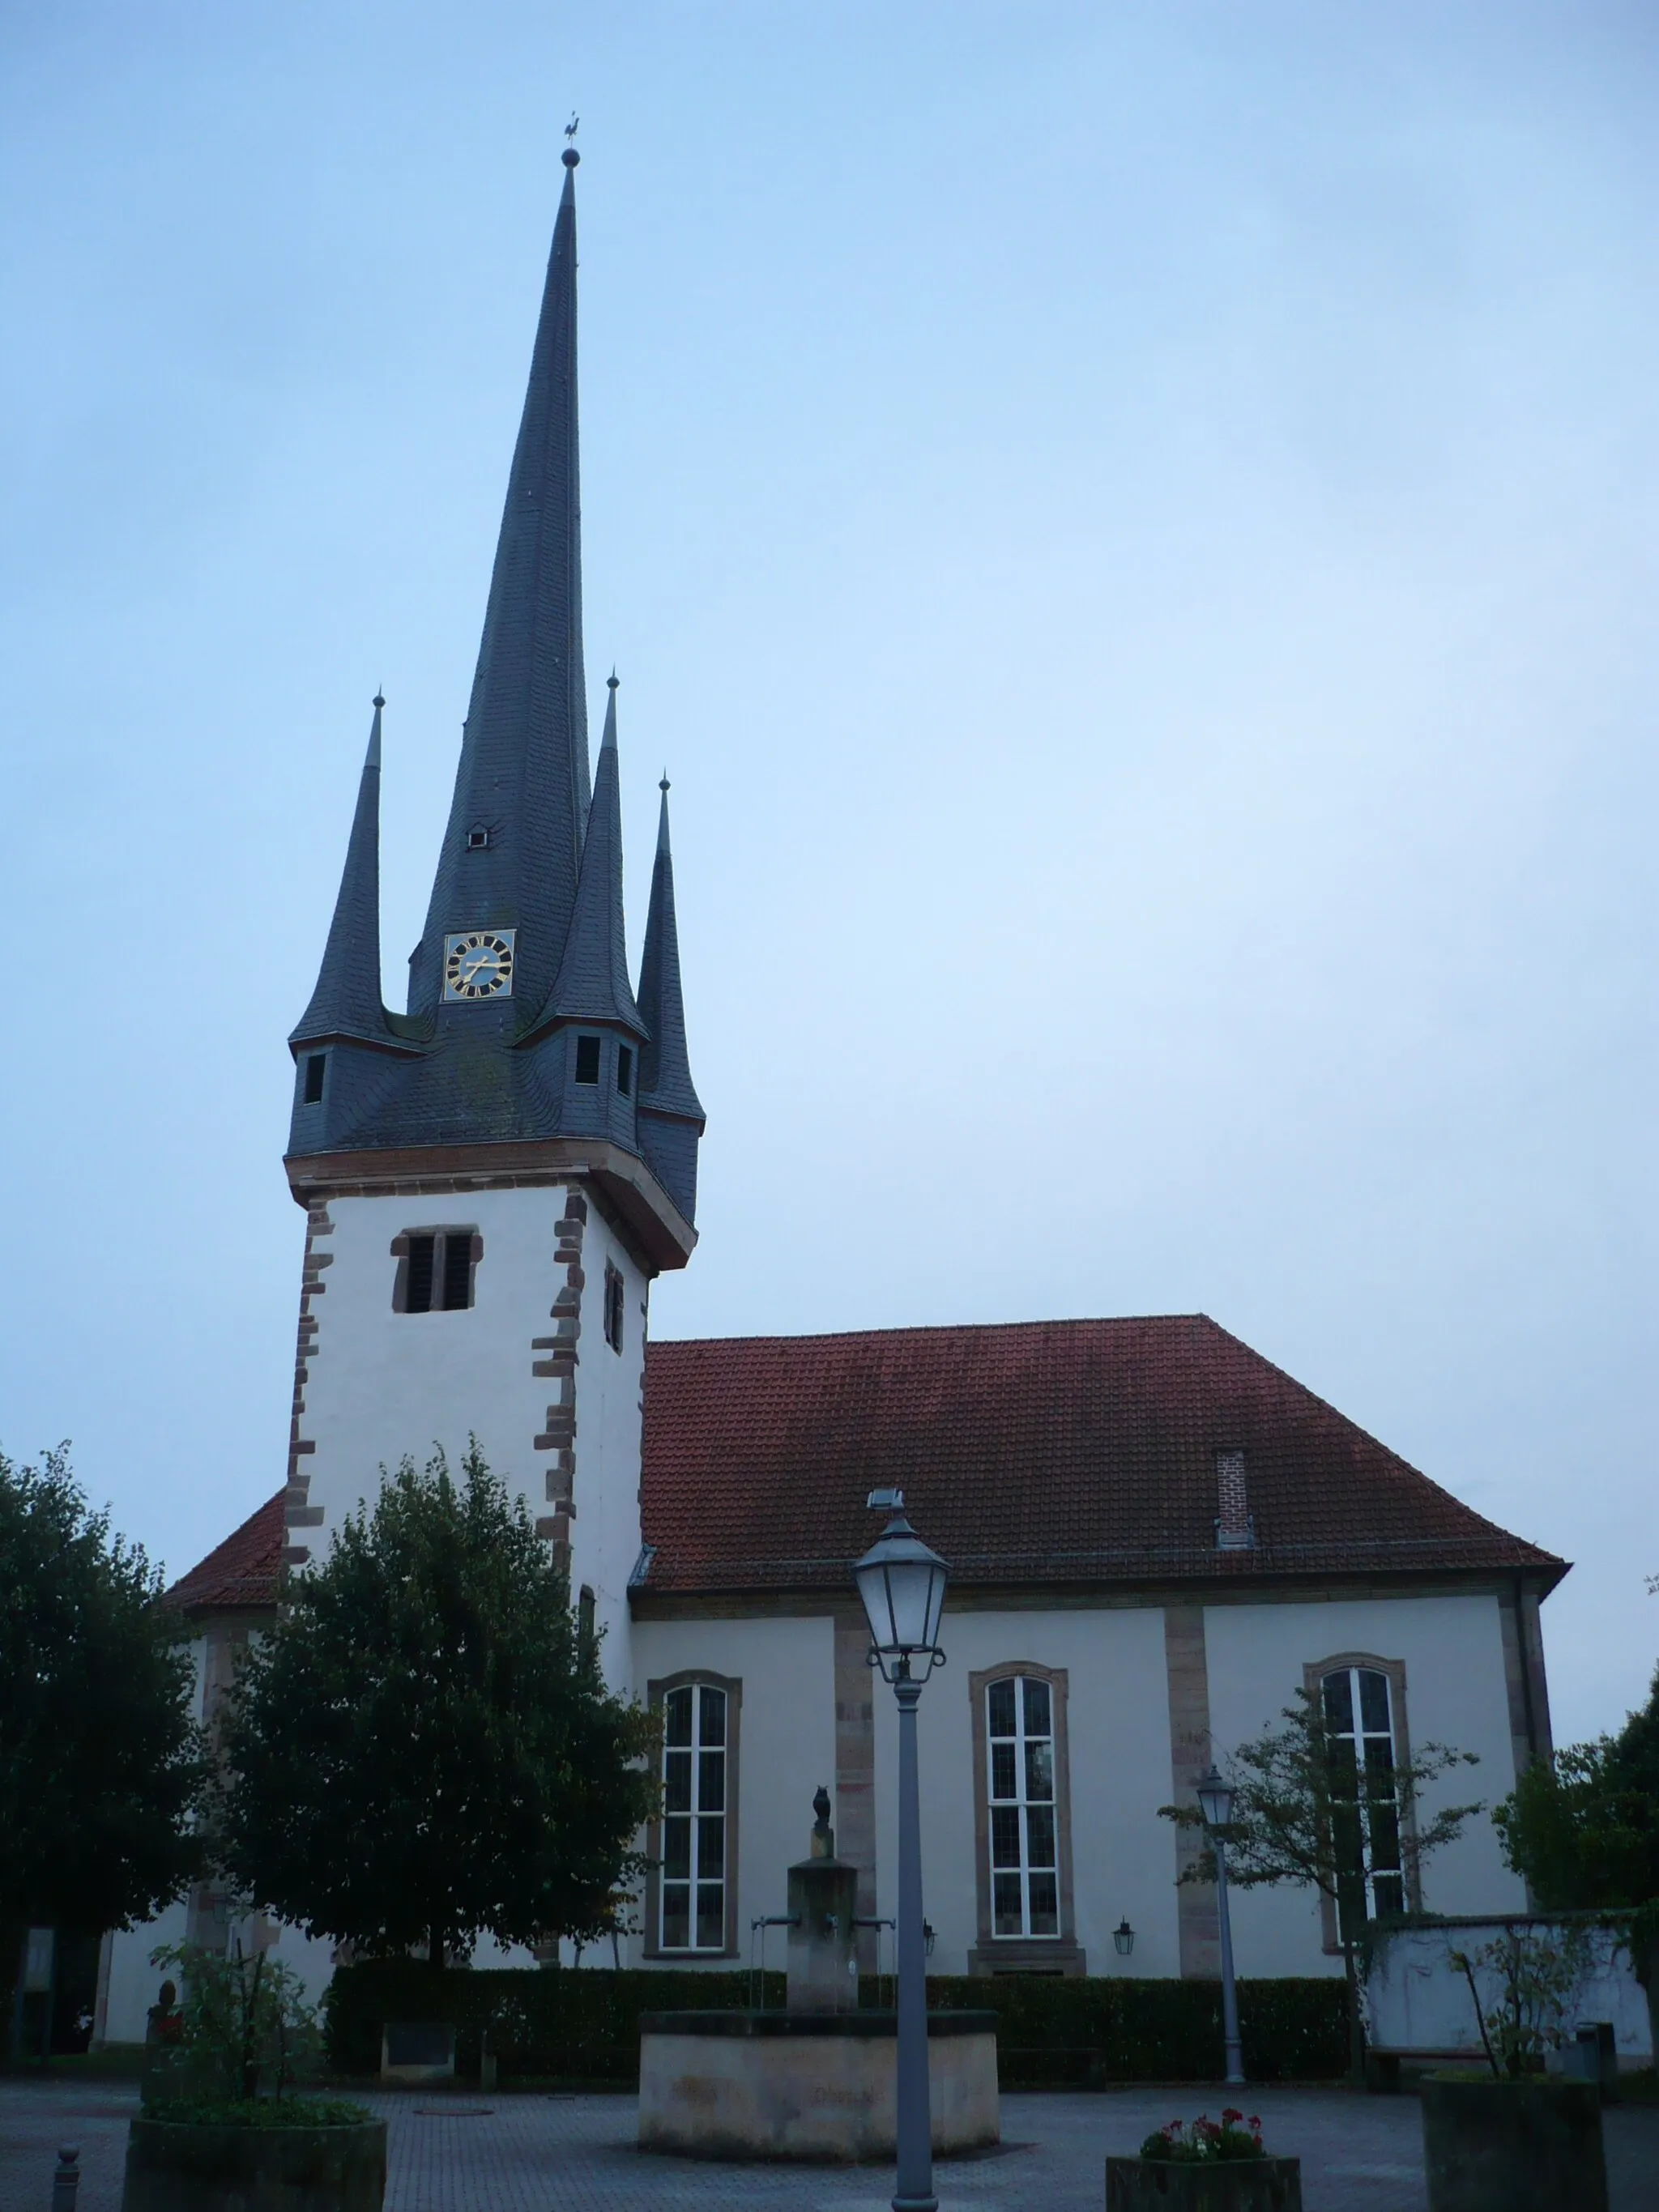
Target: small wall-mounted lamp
1124, 1937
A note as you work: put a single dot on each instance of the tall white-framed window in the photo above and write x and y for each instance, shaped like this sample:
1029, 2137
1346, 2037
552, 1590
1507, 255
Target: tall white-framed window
1024, 1836
1360, 1705
695, 1878
1022, 1822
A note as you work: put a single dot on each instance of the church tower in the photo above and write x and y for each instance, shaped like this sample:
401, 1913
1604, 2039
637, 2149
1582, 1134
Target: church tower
492, 1178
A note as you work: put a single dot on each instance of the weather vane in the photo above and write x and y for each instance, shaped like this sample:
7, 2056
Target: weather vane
574, 125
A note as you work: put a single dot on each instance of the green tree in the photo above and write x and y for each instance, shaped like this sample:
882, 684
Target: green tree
1303, 1813
101, 1764
423, 1750
1583, 1830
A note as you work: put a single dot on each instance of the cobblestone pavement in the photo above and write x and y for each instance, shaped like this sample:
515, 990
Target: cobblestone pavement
542, 2154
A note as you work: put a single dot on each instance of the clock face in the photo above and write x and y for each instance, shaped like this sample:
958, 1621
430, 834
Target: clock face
479, 964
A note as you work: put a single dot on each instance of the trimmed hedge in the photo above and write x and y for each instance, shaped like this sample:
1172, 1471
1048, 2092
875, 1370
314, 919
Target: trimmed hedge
579, 2024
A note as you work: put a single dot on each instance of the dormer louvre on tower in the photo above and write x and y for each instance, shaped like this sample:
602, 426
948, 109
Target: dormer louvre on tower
529, 1107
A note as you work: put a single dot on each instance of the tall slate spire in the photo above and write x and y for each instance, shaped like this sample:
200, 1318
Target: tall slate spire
593, 984
513, 848
665, 1068
347, 1002
554, 1058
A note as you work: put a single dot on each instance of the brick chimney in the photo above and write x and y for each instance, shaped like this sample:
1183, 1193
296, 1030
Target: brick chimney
1234, 1529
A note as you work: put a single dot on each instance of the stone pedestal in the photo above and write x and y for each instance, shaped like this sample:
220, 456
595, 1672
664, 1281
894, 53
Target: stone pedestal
812, 2087
822, 1965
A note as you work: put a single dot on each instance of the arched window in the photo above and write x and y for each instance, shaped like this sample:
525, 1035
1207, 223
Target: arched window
695, 1896
1020, 1729
1023, 1840
1360, 1703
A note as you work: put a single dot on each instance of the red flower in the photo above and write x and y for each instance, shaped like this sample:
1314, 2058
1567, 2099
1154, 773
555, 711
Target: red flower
1253, 2121
1230, 2113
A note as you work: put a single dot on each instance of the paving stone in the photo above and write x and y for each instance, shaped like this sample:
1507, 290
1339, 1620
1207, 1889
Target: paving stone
549, 2154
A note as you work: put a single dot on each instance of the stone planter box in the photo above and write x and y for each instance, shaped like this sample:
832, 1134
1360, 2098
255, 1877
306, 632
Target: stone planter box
175, 2167
1531, 2146
1228, 2185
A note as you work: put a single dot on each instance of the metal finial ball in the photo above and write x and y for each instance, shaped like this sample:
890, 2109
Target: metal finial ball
570, 157
379, 700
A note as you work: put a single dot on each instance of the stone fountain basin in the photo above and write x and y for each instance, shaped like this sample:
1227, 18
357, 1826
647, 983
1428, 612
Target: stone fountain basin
813, 2086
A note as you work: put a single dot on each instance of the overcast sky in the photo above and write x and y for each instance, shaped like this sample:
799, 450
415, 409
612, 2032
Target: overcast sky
1132, 529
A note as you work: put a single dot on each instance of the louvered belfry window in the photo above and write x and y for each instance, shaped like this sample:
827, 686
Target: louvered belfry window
694, 1818
436, 1276
1024, 1832
1358, 1703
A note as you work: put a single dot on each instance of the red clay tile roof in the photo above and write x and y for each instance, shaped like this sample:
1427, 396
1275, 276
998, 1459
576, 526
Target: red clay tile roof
1042, 1452
242, 1570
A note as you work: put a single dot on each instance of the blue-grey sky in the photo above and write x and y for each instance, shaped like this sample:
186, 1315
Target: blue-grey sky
1132, 528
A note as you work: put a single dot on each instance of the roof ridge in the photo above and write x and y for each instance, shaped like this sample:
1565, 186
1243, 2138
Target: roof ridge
945, 1328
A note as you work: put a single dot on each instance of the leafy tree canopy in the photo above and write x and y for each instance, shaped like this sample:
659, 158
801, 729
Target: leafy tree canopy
423, 1750
101, 1764
1583, 1828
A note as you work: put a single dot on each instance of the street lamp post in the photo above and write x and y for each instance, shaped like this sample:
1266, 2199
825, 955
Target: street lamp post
1215, 1801
901, 1584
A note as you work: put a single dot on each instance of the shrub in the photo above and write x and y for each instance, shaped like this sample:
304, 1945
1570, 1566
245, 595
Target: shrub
1051, 2032
264, 2112
245, 2023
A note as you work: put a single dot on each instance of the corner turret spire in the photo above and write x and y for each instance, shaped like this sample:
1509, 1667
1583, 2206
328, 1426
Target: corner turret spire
513, 848
347, 1002
671, 1117
593, 984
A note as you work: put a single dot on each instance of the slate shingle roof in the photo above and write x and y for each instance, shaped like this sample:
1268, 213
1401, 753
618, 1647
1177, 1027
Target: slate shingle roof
523, 770
1037, 1453
347, 1000
592, 984
1042, 1452
664, 1067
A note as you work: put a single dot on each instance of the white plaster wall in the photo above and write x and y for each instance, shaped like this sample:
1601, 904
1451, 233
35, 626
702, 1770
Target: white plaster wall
604, 1535
786, 1748
133, 1981
382, 1384
1118, 1726
1455, 1693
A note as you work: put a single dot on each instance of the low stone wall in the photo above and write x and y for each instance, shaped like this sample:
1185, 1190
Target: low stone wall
1418, 2004
808, 2086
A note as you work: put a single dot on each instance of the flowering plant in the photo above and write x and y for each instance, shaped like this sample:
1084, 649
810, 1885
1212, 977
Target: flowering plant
1202, 2140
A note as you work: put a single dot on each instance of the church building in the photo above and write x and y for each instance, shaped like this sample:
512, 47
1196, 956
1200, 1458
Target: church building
1155, 1536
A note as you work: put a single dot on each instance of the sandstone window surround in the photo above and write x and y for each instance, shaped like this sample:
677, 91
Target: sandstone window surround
691, 1894
1361, 1699
1022, 1822
437, 1268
